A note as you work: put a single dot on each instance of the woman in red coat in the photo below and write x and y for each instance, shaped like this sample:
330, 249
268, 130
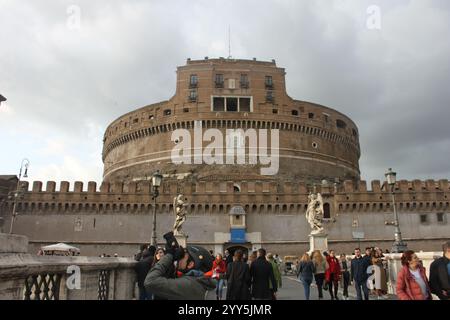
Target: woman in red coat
333, 275
219, 269
412, 282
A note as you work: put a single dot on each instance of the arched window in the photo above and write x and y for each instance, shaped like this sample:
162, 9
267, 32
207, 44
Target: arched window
326, 211
341, 124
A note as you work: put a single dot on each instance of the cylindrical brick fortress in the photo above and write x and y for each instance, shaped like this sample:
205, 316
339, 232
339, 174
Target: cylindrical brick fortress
315, 142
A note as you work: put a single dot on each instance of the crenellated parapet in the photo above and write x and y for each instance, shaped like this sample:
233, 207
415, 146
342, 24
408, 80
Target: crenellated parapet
211, 197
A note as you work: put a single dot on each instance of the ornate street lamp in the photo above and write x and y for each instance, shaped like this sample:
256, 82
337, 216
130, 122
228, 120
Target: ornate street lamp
18, 193
156, 183
398, 246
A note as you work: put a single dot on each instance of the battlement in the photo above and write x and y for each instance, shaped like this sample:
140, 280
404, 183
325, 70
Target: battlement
215, 197
288, 187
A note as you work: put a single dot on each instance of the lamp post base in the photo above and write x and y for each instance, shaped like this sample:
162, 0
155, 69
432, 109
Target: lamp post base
399, 247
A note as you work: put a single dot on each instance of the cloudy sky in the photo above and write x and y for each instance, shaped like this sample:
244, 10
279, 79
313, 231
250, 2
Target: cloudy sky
68, 68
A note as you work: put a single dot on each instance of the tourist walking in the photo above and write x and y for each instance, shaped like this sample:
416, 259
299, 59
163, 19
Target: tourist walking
138, 255
320, 266
358, 274
440, 274
276, 273
332, 275
261, 272
306, 273
380, 283
412, 282
142, 268
228, 257
219, 269
345, 272
252, 257
238, 278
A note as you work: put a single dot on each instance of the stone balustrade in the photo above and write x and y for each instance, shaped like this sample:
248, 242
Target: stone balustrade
24, 276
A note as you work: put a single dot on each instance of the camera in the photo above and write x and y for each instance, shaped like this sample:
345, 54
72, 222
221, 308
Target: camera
171, 241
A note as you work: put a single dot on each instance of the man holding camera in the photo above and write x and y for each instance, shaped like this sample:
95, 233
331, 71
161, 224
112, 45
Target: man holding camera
187, 281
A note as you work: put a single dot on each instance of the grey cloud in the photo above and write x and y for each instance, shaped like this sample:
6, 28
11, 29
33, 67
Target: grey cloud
393, 82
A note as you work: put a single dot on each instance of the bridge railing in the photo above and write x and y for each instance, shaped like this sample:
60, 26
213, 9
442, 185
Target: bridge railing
32, 277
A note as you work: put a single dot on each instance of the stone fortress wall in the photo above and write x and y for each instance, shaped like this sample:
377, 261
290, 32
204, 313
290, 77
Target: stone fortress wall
117, 217
316, 143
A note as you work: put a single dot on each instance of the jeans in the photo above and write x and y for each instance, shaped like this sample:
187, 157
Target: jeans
144, 295
319, 277
346, 278
306, 287
358, 286
219, 288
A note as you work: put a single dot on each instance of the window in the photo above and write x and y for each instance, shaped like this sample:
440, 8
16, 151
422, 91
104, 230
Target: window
232, 104
244, 104
185, 110
423, 218
126, 124
354, 132
193, 95
440, 217
326, 118
275, 111
311, 115
326, 211
193, 82
341, 124
136, 120
269, 96
151, 117
219, 81
167, 112
236, 188
269, 82
294, 112
218, 104
244, 81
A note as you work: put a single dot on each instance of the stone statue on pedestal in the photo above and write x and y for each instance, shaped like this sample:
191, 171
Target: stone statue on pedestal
179, 208
318, 238
314, 213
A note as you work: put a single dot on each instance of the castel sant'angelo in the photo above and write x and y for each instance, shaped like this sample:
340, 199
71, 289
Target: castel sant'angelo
256, 198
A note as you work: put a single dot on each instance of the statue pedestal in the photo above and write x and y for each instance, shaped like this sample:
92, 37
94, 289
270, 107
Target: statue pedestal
181, 239
318, 242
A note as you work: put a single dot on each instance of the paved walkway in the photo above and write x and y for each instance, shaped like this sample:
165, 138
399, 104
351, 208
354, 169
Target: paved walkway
292, 289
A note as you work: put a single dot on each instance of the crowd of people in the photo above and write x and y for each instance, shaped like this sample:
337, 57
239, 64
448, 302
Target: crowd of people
162, 272
368, 273
256, 277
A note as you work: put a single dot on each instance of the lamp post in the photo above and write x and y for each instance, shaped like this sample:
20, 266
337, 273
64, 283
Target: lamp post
156, 183
25, 163
398, 246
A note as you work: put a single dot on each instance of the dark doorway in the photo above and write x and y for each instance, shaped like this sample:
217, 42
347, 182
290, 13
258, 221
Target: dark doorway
233, 248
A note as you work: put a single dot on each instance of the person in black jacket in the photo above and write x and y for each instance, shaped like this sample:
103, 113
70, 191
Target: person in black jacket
238, 278
142, 268
440, 274
261, 272
358, 274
